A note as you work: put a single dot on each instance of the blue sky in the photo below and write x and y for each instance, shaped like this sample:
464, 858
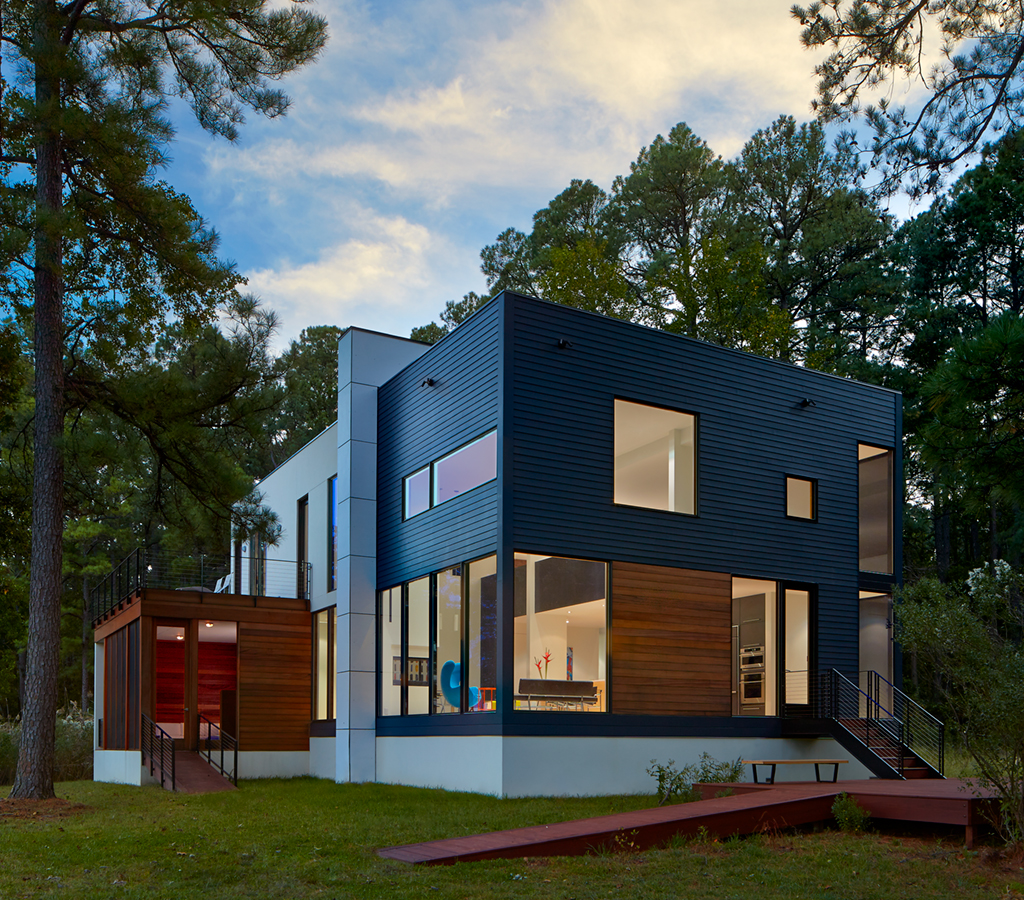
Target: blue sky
428, 127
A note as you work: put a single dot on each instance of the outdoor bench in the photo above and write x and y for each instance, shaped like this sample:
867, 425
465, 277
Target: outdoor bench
835, 763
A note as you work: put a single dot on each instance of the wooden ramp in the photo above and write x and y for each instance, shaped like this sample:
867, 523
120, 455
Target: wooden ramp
194, 775
752, 809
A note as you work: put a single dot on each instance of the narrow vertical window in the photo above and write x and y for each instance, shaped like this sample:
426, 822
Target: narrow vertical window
417, 643
482, 624
324, 705
302, 548
417, 493
875, 495
448, 624
390, 615
655, 457
332, 532
801, 498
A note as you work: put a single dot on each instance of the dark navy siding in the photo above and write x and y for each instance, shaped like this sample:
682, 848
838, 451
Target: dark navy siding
752, 432
417, 425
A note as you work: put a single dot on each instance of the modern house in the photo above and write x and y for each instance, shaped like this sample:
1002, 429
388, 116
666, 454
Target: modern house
538, 554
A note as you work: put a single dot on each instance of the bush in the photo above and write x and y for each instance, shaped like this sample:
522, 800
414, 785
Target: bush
850, 816
72, 751
678, 784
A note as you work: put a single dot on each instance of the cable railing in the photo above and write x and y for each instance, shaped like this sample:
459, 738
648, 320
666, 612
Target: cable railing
923, 733
861, 716
158, 747
214, 744
220, 574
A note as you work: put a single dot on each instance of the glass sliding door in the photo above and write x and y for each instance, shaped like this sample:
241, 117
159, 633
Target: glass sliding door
796, 618
754, 642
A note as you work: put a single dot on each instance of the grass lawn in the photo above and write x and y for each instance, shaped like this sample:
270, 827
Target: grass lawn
311, 838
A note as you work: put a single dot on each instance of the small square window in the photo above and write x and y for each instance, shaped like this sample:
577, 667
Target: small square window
801, 498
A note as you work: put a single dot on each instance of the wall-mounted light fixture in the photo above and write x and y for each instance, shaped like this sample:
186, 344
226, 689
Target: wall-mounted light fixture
428, 382
563, 344
807, 401
209, 624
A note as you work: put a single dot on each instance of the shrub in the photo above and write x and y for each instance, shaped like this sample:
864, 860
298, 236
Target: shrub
850, 816
72, 750
678, 784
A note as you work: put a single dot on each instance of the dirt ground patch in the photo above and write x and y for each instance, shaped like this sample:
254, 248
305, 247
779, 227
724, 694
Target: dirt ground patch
55, 808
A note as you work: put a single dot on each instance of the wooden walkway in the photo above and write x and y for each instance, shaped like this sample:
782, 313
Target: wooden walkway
751, 809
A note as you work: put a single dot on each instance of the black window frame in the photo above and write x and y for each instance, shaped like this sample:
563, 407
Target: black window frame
813, 517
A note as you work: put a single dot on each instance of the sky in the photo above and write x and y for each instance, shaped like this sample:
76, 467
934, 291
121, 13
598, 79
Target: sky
427, 127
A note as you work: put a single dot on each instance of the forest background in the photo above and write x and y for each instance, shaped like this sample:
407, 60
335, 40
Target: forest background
782, 251
174, 409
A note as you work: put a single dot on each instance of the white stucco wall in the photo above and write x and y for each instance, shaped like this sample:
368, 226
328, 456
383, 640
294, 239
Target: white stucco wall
307, 472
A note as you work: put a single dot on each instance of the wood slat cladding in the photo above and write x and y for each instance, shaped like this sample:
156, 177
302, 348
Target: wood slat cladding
274, 685
671, 641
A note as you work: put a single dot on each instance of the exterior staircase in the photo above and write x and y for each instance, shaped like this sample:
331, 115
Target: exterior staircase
879, 725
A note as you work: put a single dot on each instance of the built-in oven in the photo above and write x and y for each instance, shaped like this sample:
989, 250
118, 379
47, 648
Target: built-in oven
752, 676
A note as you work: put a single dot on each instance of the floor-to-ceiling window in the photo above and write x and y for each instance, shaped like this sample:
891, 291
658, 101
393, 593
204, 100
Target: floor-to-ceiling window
561, 617
437, 639
875, 492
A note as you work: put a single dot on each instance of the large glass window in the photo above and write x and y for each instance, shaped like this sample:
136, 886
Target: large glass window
324, 706
467, 467
655, 457
876, 508
451, 629
561, 633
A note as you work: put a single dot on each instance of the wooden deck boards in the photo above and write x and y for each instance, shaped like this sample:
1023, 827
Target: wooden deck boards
751, 809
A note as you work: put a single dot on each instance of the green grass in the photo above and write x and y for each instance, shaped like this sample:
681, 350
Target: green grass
311, 838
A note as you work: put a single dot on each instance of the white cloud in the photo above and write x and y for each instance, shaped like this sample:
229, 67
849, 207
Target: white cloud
375, 279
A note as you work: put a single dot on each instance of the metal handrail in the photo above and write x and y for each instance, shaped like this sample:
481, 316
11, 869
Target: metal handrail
841, 700
158, 745
152, 569
925, 734
225, 742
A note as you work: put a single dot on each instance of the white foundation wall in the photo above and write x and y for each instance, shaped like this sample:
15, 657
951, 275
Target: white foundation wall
273, 763
471, 763
568, 766
322, 758
117, 766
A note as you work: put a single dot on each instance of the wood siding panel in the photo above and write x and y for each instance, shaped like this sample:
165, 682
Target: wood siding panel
671, 641
274, 685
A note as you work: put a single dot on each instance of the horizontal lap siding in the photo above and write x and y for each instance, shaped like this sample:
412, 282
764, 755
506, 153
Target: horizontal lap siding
419, 424
752, 432
671, 641
274, 686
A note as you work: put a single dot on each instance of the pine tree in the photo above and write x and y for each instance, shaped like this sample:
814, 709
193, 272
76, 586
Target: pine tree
93, 244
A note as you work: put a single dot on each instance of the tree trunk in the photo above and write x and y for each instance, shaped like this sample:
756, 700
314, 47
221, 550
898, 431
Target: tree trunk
86, 644
34, 777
